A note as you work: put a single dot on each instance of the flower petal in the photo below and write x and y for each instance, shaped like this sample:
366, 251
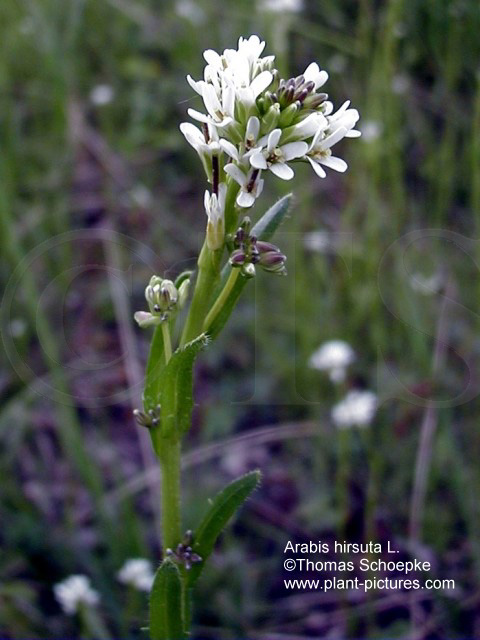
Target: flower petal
196, 85
258, 160
192, 134
213, 58
293, 150
245, 199
261, 82
197, 115
236, 173
273, 139
335, 163
282, 170
211, 101
253, 127
333, 138
229, 149
317, 168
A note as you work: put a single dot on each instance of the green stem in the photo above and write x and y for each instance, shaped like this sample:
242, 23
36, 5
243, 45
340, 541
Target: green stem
167, 343
222, 298
171, 523
93, 626
207, 279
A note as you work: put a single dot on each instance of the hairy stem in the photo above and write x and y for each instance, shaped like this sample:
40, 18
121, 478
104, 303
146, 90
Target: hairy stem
171, 522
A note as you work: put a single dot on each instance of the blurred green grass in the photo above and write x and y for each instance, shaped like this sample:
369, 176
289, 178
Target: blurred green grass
66, 163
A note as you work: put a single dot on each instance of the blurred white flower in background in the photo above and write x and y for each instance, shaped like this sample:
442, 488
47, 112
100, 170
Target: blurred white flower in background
426, 285
101, 95
334, 357
137, 573
282, 6
337, 63
371, 130
73, 592
190, 11
400, 84
357, 409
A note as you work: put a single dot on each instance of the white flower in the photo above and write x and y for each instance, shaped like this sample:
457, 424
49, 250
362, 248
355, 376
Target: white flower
101, 94
215, 210
137, 573
248, 94
251, 185
190, 11
340, 125
357, 409
344, 118
220, 109
196, 138
73, 592
426, 285
275, 158
333, 356
240, 74
400, 84
282, 6
320, 153
241, 155
312, 124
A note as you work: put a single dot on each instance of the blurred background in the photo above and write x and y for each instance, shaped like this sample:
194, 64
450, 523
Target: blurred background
98, 190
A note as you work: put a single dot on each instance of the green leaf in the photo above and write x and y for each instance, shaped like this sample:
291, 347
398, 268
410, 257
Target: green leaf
223, 507
272, 219
176, 388
166, 620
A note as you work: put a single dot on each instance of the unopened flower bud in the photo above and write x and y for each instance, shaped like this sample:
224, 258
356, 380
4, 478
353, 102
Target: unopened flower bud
274, 262
238, 257
162, 298
183, 293
287, 115
167, 296
270, 119
215, 210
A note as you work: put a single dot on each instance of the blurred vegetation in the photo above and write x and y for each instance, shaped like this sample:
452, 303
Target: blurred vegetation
98, 189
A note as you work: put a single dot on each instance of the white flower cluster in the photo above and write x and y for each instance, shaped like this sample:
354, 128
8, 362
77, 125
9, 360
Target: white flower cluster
255, 122
357, 409
137, 573
334, 357
73, 592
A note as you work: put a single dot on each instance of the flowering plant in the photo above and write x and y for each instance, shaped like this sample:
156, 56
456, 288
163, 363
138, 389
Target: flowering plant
254, 124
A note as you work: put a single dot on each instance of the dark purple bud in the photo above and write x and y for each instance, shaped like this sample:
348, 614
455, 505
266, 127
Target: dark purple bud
300, 97
289, 95
263, 246
271, 259
315, 100
237, 258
